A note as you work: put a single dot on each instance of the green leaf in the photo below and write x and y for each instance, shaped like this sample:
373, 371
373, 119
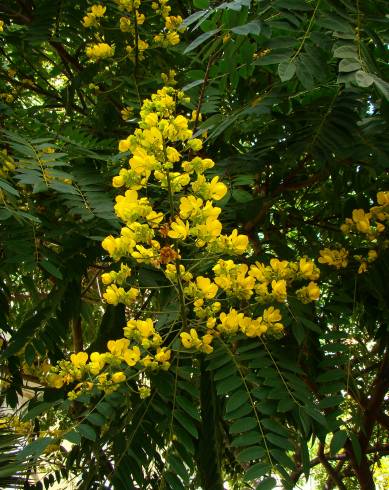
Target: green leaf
200, 40
178, 467
96, 419
235, 5
195, 16
305, 458
243, 425
240, 412
35, 448
37, 410
51, 269
188, 407
315, 414
201, 4
363, 79
186, 422
241, 195
346, 51
256, 471
228, 385
236, 400
253, 27
356, 447
6, 187
332, 375
274, 427
347, 65
279, 441
286, 70
247, 439
105, 409
73, 437
267, 484
338, 441
250, 454
382, 86
29, 354
4, 214
87, 432
173, 481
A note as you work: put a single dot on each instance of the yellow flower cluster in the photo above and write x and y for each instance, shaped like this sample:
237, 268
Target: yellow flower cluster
175, 230
369, 224
130, 21
372, 255
95, 13
99, 51
14, 424
106, 371
1, 25
335, 258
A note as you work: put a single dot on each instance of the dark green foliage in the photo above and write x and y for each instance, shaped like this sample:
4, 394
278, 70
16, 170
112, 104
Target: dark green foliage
294, 96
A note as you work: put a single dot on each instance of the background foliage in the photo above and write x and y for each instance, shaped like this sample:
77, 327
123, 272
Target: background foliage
294, 100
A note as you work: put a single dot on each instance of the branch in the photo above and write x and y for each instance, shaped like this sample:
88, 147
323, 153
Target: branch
332, 473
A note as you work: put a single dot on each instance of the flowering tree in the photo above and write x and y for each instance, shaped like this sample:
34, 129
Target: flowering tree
194, 243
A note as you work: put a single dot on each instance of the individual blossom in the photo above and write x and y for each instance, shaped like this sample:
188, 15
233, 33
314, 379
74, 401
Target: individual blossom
179, 230
118, 377
309, 293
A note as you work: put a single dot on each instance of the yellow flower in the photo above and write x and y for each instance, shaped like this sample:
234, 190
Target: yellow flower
1, 25
238, 243
132, 356
79, 360
206, 288
118, 181
99, 51
54, 380
144, 392
361, 220
98, 10
190, 339
173, 22
363, 267
190, 206
217, 189
113, 294
307, 269
118, 377
125, 24
383, 198
229, 322
172, 38
124, 145
163, 354
336, 258
279, 289
195, 144
179, 229
118, 347
89, 20
172, 154
206, 343
271, 315
142, 162
97, 362
372, 255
